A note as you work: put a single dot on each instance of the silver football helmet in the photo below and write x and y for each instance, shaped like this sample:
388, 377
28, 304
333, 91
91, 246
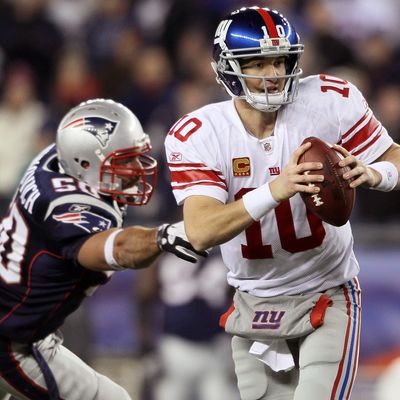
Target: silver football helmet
102, 143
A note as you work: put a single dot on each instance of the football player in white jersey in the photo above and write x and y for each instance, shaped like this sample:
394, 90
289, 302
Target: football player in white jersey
295, 319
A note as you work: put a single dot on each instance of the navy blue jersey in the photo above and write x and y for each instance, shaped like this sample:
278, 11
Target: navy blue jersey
194, 296
50, 217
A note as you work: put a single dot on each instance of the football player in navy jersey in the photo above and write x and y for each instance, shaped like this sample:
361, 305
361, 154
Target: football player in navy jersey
62, 238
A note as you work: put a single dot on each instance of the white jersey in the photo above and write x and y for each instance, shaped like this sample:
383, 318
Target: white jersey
289, 251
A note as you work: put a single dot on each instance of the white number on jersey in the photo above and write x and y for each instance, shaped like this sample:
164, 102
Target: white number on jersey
13, 239
72, 185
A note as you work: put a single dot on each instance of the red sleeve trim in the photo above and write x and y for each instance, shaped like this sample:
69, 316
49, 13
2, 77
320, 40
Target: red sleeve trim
181, 187
353, 128
367, 145
195, 175
363, 134
186, 165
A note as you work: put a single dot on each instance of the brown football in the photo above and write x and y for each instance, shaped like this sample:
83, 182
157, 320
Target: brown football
335, 200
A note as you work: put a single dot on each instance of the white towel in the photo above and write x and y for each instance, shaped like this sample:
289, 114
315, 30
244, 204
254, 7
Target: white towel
275, 353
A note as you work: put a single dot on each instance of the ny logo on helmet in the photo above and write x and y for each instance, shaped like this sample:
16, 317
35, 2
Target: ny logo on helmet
101, 128
222, 30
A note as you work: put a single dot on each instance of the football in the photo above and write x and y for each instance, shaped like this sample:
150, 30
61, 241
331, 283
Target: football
335, 200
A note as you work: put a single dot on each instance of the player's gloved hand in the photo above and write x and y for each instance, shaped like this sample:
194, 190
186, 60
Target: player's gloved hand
172, 238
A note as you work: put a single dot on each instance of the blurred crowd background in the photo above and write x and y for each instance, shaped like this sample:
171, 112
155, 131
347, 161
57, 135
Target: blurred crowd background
154, 56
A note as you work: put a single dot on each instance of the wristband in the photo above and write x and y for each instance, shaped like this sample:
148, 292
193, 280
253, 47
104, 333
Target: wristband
389, 173
109, 250
259, 201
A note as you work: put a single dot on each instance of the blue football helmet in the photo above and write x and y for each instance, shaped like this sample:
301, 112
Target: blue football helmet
256, 32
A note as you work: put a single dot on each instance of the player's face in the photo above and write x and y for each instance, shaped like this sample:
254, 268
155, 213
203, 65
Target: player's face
265, 66
131, 162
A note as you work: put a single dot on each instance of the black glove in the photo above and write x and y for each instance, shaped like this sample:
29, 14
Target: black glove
172, 238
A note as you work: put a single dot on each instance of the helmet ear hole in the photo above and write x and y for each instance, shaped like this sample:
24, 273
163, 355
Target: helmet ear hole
85, 164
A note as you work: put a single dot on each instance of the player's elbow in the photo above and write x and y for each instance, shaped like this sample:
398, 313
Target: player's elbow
199, 240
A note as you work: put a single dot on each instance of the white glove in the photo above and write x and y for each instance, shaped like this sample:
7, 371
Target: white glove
172, 238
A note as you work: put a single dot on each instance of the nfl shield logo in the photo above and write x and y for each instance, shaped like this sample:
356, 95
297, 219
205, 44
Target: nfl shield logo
267, 147
268, 144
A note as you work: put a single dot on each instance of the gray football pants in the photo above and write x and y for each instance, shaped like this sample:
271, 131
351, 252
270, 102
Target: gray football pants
75, 379
326, 359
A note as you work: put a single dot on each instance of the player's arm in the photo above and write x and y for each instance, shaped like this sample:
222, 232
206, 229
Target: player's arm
135, 247
392, 155
364, 135
208, 222
132, 247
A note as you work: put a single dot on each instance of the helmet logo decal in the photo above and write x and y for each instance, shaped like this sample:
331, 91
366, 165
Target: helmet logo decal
222, 29
101, 128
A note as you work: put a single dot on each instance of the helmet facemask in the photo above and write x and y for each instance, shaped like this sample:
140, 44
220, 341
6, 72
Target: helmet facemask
230, 74
129, 176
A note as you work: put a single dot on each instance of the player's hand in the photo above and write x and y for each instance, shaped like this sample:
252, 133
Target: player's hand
294, 179
172, 238
362, 174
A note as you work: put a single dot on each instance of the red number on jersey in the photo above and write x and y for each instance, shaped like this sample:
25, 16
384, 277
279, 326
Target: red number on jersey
185, 127
344, 91
255, 249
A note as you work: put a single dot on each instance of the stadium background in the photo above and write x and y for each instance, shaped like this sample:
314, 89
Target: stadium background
153, 55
